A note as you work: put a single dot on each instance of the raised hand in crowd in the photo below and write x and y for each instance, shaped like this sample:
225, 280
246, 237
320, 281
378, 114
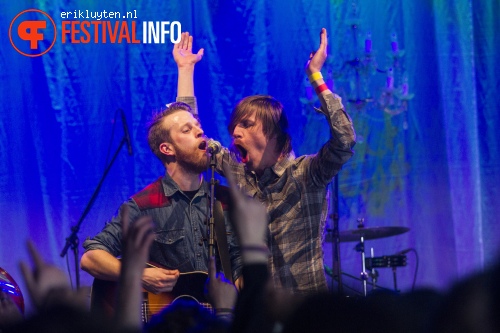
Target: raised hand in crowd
48, 285
250, 220
9, 312
136, 241
222, 294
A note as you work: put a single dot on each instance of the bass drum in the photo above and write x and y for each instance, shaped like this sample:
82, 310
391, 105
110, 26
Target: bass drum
9, 286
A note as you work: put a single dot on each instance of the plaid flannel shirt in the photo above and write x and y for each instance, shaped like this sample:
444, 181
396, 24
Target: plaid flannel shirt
294, 191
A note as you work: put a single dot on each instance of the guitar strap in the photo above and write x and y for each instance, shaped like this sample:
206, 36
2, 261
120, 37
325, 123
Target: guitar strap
221, 237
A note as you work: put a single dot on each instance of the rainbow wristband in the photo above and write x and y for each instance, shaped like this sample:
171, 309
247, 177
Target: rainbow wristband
322, 87
315, 76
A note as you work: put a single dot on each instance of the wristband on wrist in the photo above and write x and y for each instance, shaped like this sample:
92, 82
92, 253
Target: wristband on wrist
223, 310
255, 248
315, 76
322, 87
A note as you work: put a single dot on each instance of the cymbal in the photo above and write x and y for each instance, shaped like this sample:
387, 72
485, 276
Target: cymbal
354, 235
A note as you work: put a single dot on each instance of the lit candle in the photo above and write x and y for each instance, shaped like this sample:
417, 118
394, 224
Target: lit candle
368, 43
389, 84
394, 43
404, 87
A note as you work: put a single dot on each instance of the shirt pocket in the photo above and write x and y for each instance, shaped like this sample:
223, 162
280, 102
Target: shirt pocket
285, 201
170, 248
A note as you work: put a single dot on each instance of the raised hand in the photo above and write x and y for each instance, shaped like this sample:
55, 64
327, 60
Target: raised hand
47, 284
9, 312
318, 58
183, 52
248, 215
221, 293
136, 239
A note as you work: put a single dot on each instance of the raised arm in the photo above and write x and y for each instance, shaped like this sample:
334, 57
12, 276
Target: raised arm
338, 150
250, 221
315, 64
48, 285
186, 60
137, 239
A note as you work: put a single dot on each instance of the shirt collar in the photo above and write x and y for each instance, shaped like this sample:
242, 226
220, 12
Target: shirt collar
280, 166
170, 186
278, 169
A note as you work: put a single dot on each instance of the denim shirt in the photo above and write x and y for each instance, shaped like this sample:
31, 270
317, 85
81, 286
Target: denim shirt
180, 227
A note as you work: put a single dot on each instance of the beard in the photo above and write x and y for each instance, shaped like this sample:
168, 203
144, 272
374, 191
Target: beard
191, 160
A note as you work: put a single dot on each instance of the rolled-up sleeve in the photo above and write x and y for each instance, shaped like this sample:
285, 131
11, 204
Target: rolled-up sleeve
109, 238
191, 101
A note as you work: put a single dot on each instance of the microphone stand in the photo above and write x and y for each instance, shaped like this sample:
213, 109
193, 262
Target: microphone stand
72, 241
337, 271
211, 223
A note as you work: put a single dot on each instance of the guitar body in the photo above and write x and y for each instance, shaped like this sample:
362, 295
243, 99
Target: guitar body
190, 286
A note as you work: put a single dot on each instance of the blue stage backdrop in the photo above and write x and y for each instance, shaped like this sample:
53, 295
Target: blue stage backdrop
433, 168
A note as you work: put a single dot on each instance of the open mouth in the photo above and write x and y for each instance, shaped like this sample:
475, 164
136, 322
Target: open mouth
203, 145
243, 153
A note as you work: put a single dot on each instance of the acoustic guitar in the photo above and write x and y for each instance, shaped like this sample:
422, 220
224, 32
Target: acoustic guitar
189, 286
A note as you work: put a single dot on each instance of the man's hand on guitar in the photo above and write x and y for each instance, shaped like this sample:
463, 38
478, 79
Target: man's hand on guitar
159, 280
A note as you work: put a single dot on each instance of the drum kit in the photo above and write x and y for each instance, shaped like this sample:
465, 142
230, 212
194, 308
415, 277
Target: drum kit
361, 234
11, 289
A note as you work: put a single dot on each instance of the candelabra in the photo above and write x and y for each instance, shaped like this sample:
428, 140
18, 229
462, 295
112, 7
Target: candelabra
351, 74
394, 100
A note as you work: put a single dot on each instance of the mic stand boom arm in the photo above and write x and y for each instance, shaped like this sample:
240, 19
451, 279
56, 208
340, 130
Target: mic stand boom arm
72, 241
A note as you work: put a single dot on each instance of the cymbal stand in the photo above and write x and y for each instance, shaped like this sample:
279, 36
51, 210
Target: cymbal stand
373, 273
364, 275
394, 277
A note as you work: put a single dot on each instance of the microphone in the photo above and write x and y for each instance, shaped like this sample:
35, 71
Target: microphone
125, 130
213, 147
